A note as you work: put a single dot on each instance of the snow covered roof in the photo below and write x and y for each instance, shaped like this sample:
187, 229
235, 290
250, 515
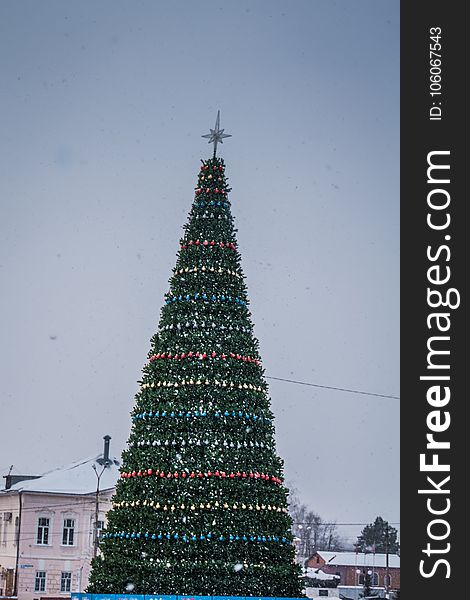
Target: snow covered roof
77, 478
351, 559
321, 575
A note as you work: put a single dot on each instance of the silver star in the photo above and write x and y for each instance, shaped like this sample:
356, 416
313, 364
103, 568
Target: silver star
216, 134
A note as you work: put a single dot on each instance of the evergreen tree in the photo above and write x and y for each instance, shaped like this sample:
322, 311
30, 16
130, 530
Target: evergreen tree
200, 507
379, 536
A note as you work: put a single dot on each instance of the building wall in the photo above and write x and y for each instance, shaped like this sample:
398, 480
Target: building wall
55, 557
350, 577
8, 541
348, 573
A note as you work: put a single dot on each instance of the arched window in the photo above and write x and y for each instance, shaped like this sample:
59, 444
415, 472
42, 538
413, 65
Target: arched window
374, 579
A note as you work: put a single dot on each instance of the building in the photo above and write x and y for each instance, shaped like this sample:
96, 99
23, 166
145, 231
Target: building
352, 567
47, 527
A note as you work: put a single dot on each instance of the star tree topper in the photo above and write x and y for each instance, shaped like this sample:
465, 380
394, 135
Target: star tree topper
216, 134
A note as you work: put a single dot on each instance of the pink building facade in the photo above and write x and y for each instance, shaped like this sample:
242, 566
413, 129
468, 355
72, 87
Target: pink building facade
47, 529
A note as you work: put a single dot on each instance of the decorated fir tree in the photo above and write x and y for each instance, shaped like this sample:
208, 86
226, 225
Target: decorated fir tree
200, 507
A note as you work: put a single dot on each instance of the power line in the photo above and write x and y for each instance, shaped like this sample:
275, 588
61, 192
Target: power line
339, 524
83, 502
90, 530
331, 387
77, 504
14, 535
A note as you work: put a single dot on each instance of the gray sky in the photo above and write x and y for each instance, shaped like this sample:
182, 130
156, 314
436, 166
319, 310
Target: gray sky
102, 109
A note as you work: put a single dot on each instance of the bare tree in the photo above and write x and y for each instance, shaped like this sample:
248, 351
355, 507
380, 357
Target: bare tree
310, 530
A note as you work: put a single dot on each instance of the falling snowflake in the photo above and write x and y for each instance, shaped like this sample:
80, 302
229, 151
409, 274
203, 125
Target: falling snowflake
129, 587
238, 567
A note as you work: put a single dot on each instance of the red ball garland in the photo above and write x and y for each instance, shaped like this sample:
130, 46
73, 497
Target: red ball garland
200, 475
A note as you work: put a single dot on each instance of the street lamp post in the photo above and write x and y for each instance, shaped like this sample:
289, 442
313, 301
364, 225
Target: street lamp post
105, 462
387, 573
365, 574
367, 581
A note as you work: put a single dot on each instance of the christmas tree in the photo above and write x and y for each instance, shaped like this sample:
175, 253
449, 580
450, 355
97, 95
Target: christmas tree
200, 507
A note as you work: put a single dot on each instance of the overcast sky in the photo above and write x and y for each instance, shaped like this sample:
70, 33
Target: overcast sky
102, 109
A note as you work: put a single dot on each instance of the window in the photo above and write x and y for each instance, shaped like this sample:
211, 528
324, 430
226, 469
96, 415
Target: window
43, 534
67, 532
387, 581
6, 520
373, 578
40, 581
65, 581
17, 530
99, 528
322, 593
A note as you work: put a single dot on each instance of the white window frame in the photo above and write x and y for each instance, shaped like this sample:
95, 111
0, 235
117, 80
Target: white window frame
100, 525
43, 527
64, 581
66, 531
38, 580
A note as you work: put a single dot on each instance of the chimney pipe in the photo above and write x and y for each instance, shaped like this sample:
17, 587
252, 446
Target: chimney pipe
106, 449
105, 461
